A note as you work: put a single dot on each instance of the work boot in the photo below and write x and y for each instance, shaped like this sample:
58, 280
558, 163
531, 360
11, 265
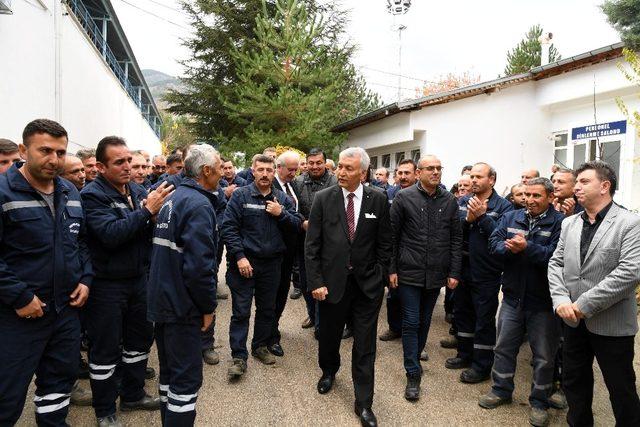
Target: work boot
347, 333
147, 403
237, 368
456, 363
412, 390
450, 342
471, 376
110, 421
80, 396
390, 335
210, 356
149, 373
448, 318
558, 400
538, 417
295, 293
263, 355
491, 401
221, 294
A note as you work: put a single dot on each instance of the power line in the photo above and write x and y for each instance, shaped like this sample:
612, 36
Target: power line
396, 74
392, 87
154, 15
175, 9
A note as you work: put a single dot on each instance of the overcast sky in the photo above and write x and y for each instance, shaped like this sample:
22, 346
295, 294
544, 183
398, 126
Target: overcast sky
441, 36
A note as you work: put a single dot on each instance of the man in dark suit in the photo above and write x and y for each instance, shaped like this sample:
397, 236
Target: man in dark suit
347, 248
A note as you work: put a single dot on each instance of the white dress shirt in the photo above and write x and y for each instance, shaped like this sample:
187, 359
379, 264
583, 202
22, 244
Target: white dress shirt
284, 185
357, 203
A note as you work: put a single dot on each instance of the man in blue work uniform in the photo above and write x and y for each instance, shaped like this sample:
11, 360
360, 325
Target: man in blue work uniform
182, 283
526, 238
255, 220
119, 216
476, 300
45, 274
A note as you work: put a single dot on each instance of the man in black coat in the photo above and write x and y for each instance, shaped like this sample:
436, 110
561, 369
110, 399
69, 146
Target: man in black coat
427, 255
347, 251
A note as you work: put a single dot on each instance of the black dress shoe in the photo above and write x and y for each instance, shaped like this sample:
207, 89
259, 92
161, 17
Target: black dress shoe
276, 350
149, 373
457, 363
367, 418
471, 376
325, 383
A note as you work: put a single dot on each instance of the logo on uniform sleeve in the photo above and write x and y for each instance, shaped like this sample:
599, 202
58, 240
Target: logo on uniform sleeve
167, 205
74, 228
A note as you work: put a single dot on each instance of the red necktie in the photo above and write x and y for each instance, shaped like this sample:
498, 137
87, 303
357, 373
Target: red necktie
351, 216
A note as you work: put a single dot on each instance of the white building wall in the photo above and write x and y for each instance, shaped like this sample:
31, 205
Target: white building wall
513, 129
91, 103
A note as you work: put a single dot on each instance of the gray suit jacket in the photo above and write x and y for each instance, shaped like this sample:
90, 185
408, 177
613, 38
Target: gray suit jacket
604, 285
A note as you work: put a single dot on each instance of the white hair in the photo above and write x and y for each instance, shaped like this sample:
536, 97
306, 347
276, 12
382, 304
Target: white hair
200, 156
352, 152
287, 155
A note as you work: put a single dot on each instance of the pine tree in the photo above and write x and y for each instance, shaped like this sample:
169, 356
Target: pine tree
295, 83
526, 54
222, 27
624, 16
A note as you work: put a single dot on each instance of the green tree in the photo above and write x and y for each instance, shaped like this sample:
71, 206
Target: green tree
624, 16
222, 27
175, 132
293, 87
526, 54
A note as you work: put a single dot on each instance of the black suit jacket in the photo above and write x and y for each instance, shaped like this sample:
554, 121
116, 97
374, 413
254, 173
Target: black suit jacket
329, 253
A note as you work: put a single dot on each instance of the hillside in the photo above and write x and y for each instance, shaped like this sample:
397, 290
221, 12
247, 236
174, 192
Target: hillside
159, 83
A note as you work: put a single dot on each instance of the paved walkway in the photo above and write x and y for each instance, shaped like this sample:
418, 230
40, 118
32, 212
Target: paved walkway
285, 393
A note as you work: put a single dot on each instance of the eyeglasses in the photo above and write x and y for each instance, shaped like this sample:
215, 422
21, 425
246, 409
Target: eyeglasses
432, 168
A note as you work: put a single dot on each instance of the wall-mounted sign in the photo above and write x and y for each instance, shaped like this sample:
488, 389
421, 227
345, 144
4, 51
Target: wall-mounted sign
599, 130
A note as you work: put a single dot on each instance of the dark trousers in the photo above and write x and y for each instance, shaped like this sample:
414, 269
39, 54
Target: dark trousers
333, 317
394, 310
311, 303
448, 300
476, 305
543, 337
417, 308
119, 334
47, 347
282, 294
180, 371
615, 358
264, 286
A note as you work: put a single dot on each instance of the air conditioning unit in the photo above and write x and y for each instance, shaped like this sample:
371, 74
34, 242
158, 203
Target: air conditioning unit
5, 7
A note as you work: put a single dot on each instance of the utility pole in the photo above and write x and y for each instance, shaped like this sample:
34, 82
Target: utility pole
397, 8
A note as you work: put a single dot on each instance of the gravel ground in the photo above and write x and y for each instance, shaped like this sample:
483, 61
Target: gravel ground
285, 393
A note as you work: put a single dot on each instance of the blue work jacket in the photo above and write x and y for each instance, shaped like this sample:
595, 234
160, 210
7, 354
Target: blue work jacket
40, 254
183, 273
478, 265
524, 280
247, 229
119, 236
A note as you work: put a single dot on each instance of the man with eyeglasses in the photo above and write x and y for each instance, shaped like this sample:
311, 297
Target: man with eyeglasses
159, 168
427, 255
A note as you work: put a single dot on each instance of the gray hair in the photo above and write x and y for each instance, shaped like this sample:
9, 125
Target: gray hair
545, 182
352, 152
159, 156
287, 155
200, 156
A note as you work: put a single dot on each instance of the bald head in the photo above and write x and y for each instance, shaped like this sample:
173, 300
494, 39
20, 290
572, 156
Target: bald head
429, 172
74, 171
382, 175
529, 174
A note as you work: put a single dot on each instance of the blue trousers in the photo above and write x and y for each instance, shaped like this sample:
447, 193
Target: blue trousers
264, 287
118, 332
542, 331
180, 371
417, 308
47, 346
475, 307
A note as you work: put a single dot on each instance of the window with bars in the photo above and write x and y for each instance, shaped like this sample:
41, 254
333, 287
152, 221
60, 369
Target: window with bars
386, 161
560, 149
415, 155
399, 157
